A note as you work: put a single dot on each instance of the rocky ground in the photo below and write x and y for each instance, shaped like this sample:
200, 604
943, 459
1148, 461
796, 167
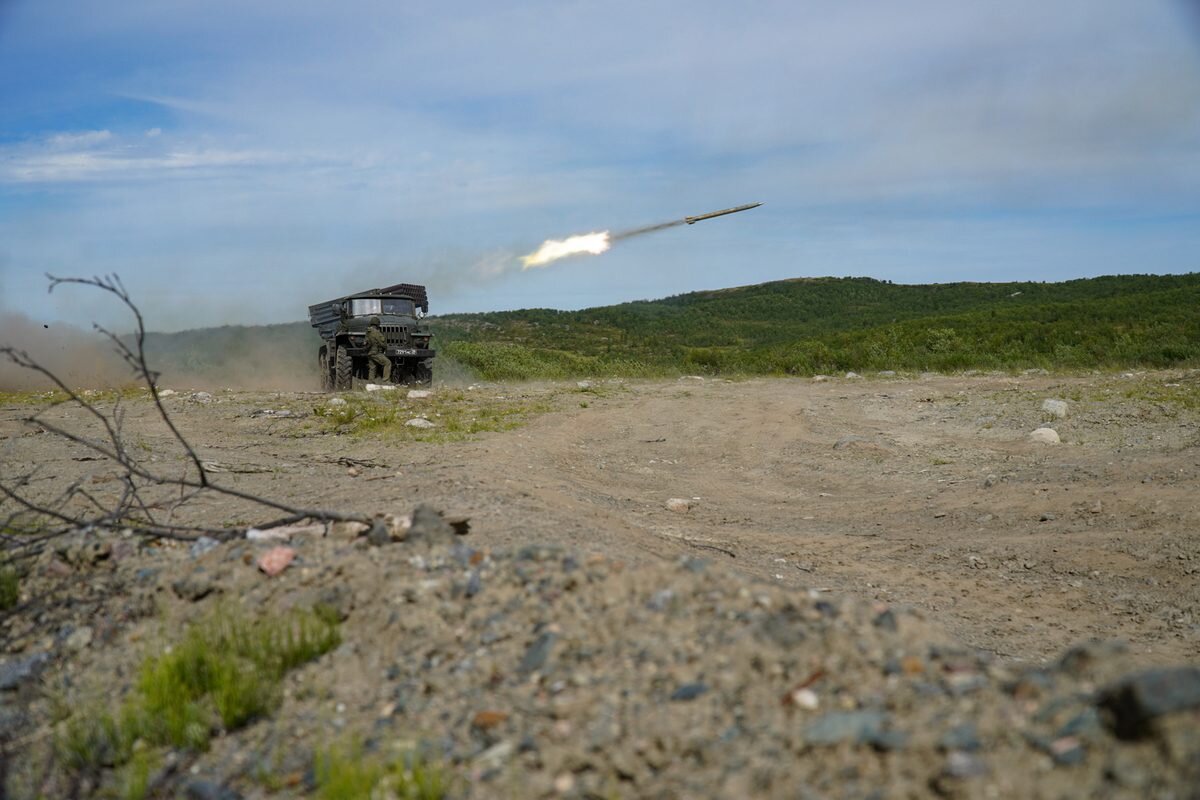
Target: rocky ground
829, 588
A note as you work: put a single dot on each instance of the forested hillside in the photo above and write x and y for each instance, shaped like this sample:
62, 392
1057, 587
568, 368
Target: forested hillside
807, 326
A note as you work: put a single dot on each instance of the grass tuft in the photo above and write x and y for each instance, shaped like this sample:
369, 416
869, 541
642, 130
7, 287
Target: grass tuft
225, 673
346, 773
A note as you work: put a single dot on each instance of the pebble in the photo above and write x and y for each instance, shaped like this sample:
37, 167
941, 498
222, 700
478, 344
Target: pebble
79, 639
419, 394
846, 726
335, 401
679, 505
689, 691
420, 422
276, 560
965, 765
1045, 436
537, 653
194, 587
203, 545
201, 397
1056, 408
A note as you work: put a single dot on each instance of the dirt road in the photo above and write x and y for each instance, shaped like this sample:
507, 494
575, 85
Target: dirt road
922, 491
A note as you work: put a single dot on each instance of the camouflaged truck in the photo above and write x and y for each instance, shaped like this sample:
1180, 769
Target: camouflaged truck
342, 325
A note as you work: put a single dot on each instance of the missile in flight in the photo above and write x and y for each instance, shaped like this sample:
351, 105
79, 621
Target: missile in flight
721, 213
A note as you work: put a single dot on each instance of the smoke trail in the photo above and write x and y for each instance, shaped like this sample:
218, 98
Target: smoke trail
647, 229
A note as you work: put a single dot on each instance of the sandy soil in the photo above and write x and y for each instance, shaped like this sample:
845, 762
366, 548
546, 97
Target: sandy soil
921, 491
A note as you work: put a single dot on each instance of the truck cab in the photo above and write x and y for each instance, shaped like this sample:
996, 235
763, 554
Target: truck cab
342, 324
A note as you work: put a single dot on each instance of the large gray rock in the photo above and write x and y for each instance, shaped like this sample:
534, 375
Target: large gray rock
1136, 701
1056, 408
17, 671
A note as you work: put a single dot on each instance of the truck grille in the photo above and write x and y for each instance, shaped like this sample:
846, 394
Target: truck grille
395, 334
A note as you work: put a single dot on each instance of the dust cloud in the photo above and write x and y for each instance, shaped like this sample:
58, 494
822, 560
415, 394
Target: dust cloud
270, 357
82, 359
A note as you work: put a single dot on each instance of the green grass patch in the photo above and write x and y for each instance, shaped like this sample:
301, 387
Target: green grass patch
225, 672
10, 587
456, 414
346, 773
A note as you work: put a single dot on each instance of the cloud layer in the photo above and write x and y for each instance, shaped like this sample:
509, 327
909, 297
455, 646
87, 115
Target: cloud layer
235, 162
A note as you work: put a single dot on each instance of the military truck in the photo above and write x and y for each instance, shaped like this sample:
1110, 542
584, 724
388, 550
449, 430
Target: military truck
342, 324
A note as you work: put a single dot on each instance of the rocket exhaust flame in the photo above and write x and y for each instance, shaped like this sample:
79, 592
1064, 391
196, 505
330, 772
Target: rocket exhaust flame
554, 249
597, 243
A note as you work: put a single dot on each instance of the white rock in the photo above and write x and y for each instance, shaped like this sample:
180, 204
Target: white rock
853, 375
380, 387
699, 378
888, 373
166, 392
202, 397
1057, 408
679, 505
584, 384
1045, 436
806, 699
419, 394
269, 535
420, 422
819, 378
335, 401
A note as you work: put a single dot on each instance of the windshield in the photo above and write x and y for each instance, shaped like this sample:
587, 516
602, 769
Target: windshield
365, 307
399, 305
362, 308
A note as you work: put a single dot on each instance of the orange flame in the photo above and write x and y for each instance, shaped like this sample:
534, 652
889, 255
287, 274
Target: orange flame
554, 249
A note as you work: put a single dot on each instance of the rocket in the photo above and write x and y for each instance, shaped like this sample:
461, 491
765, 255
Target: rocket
723, 212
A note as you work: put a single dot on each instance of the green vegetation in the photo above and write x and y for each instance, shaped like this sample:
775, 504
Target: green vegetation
10, 587
346, 773
226, 672
456, 414
807, 326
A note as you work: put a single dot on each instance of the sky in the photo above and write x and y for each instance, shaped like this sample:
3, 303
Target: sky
235, 162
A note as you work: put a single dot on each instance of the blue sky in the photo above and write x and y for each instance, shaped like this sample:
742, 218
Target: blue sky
236, 161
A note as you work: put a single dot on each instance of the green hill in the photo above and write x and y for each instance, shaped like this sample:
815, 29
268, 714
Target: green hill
807, 326
793, 327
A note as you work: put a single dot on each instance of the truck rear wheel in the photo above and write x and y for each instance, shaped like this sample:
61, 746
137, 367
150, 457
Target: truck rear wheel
323, 369
343, 375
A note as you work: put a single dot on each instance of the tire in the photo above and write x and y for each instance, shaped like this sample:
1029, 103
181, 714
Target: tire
423, 374
343, 373
323, 368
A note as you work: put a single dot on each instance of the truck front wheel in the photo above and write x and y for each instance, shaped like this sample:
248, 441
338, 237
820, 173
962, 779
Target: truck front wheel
343, 375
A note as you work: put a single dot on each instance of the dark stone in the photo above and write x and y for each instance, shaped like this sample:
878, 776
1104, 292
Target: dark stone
14, 673
965, 765
198, 789
693, 565
887, 621
1084, 723
888, 740
535, 657
428, 524
1136, 701
844, 726
379, 535
12, 720
785, 627
960, 737
689, 691
1082, 657
194, 587
539, 552
474, 583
